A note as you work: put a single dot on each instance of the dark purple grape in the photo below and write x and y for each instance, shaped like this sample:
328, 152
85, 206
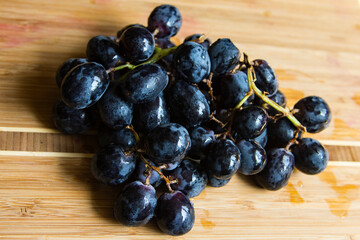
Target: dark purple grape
231, 88
250, 122
165, 43
167, 143
151, 114
191, 62
310, 156
281, 131
114, 111
171, 166
224, 56
120, 32
253, 157
175, 214
123, 137
206, 43
66, 67
166, 19
262, 139
140, 174
112, 166
266, 79
200, 140
188, 105
112, 38
313, 113
103, 50
280, 99
84, 85
136, 204
278, 169
138, 44
191, 179
144, 83
222, 160
216, 182
223, 115
70, 120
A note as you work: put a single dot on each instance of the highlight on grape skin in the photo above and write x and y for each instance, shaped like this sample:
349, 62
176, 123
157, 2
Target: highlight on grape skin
172, 120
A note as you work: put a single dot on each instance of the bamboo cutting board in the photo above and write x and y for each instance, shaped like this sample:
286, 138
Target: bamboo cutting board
46, 189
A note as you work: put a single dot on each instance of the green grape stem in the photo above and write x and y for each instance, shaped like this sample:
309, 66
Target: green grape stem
286, 112
158, 54
253, 89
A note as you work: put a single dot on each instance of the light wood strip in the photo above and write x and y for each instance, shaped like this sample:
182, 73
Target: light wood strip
56, 198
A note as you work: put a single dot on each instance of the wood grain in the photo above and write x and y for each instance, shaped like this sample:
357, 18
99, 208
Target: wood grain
313, 46
47, 191
60, 200
60, 143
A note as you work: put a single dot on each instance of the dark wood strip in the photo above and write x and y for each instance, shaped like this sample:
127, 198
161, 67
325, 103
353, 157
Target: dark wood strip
57, 142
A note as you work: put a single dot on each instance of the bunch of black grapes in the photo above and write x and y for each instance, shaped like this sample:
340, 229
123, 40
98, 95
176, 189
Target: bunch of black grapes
186, 116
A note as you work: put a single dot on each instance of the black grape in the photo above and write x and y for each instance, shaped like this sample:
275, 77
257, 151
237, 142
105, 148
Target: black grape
313, 113
253, 157
266, 79
216, 182
262, 139
222, 160
223, 115
278, 98
70, 120
166, 19
175, 214
136, 204
66, 67
138, 44
250, 121
191, 62
103, 50
310, 156
114, 111
123, 137
144, 83
140, 175
151, 114
231, 88
188, 105
121, 31
111, 165
281, 131
224, 56
191, 179
165, 43
84, 85
167, 143
201, 138
278, 169
206, 43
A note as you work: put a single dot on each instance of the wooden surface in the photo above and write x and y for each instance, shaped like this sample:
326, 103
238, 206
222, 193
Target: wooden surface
46, 189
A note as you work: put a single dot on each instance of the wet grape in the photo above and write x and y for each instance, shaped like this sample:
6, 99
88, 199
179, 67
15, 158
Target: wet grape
310, 156
313, 112
175, 214
136, 204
